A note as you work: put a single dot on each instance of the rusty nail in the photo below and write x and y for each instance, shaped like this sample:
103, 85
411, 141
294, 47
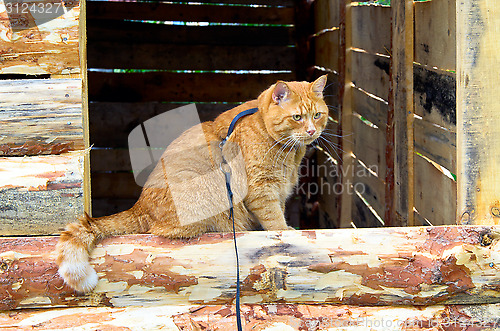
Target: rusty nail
495, 211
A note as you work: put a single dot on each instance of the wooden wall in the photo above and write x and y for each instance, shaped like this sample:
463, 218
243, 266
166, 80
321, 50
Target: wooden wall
145, 58
353, 43
41, 142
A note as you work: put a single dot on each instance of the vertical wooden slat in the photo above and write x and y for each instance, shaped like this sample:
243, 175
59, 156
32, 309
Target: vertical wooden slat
87, 201
402, 103
345, 95
478, 122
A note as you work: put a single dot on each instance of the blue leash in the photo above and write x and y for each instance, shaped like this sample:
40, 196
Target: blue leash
226, 169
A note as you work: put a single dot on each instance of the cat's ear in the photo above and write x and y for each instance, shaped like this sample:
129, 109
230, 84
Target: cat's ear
281, 92
318, 86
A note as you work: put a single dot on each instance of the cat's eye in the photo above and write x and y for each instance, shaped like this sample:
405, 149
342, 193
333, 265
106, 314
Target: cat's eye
297, 117
317, 115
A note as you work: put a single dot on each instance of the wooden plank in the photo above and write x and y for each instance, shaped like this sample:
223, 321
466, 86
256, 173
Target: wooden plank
478, 93
435, 193
436, 143
183, 87
160, 11
362, 216
435, 96
40, 194
372, 108
371, 73
369, 145
280, 316
384, 266
326, 15
372, 28
346, 69
121, 118
371, 188
119, 55
40, 116
435, 34
39, 43
402, 99
326, 47
146, 32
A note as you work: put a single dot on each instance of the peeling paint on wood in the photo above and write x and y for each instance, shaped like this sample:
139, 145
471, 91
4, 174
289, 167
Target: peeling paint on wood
40, 116
49, 47
392, 266
40, 194
281, 317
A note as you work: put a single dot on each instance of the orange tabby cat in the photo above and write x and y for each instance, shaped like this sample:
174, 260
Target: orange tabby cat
272, 142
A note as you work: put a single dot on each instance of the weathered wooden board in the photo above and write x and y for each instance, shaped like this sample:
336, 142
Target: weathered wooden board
371, 188
256, 317
326, 15
372, 28
387, 266
478, 96
184, 87
136, 55
372, 108
147, 32
435, 34
40, 194
401, 104
369, 145
371, 73
35, 44
362, 215
162, 11
40, 116
435, 193
435, 96
436, 143
121, 118
326, 47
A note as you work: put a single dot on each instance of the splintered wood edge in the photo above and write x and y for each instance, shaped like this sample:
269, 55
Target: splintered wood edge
387, 267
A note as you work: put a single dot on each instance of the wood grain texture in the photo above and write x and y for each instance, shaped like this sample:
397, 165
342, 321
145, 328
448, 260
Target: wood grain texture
391, 266
326, 15
371, 73
161, 11
402, 98
435, 96
183, 87
478, 94
371, 108
436, 143
435, 34
40, 194
435, 193
28, 47
369, 145
269, 317
372, 28
326, 46
137, 55
40, 116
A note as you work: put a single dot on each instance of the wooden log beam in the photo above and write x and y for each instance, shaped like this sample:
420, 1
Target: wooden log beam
257, 317
478, 122
386, 266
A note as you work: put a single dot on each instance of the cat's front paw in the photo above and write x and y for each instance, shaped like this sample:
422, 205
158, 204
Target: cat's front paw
82, 277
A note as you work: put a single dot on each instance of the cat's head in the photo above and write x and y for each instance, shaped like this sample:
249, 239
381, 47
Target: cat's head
295, 112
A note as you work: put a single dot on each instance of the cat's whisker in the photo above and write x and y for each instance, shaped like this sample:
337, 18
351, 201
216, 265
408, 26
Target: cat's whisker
282, 150
276, 143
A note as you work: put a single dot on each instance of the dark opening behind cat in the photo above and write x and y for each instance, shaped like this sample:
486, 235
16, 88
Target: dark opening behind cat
272, 143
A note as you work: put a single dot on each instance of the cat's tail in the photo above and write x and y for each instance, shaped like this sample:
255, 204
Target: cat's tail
77, 241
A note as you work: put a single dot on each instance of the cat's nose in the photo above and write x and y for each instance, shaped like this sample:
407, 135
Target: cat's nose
311, 132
